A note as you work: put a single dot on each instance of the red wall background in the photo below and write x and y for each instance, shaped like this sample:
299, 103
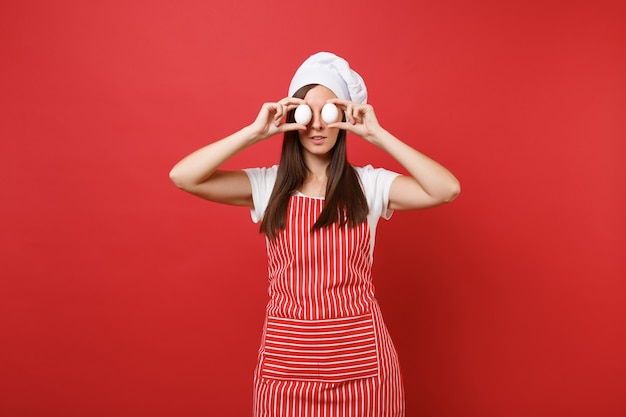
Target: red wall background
122, 296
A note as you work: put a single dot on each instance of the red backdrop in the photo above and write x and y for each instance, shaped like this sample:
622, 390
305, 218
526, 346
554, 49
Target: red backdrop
122, 296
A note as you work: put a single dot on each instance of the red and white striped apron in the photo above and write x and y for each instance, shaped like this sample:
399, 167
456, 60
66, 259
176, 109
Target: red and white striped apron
326, 351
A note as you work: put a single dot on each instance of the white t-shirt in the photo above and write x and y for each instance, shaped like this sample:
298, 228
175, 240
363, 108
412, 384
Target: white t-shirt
376, 183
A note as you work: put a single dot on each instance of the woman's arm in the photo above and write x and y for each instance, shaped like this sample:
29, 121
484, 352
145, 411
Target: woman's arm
198, 173
430, 184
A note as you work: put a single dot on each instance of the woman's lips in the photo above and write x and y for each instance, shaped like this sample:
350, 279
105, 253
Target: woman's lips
318, 139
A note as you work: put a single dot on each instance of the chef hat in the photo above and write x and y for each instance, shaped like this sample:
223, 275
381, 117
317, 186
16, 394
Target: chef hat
332, 72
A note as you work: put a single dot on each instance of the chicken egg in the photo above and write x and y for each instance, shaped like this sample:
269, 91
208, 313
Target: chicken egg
330, 113
303, 114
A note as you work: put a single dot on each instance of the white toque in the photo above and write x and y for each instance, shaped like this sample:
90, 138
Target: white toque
332, 72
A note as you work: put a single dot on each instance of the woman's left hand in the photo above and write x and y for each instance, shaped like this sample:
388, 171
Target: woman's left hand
360, 119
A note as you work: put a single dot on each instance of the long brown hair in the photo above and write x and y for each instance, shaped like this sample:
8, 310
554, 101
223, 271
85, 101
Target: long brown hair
343, 190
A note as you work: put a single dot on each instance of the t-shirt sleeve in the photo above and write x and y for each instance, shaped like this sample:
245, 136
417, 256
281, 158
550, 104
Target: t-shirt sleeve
262, 181
376, 184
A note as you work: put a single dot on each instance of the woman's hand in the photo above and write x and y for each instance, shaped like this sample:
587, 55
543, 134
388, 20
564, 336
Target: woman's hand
270, 120
429, 183
360, 119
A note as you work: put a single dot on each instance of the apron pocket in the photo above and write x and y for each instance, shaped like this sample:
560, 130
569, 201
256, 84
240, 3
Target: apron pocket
333, 350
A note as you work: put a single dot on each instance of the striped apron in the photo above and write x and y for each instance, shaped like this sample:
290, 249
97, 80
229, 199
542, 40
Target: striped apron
325, 350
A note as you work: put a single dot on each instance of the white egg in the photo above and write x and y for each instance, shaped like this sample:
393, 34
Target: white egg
330, 113
303, 114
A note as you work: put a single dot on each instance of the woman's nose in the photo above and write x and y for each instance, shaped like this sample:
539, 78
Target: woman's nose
317, 122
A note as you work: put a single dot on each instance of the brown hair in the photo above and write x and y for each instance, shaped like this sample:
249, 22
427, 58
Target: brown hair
343, 189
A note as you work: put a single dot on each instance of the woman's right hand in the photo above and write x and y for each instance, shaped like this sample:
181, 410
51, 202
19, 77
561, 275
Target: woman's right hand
271, 118
198, 173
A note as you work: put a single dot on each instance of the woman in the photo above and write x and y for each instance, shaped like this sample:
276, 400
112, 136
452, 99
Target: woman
325, 348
